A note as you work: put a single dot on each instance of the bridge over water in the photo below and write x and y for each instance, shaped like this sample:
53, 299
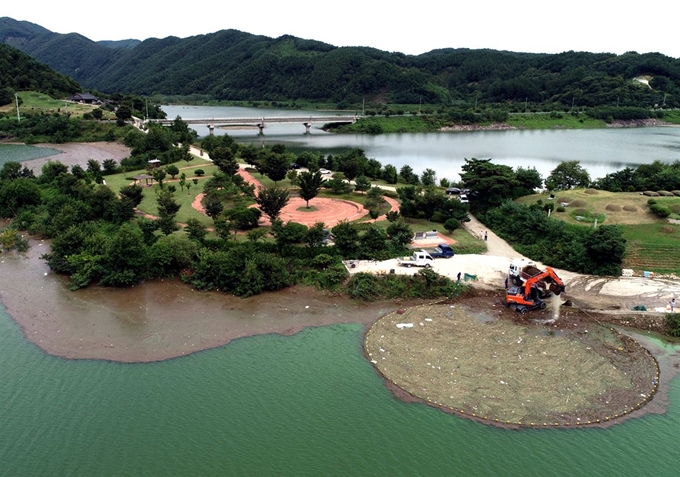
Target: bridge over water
261, 122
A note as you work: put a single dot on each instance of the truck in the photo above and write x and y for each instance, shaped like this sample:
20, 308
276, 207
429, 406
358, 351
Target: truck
418, 259
442, 250
529, 296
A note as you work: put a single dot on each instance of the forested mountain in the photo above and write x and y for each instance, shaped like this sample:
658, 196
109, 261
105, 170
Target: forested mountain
233, 65
19, 72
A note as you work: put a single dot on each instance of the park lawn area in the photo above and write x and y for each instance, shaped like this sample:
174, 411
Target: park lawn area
616, 207
183, 198
466, 243
34, 101
653, 247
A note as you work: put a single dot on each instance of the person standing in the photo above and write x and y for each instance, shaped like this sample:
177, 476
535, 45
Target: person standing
486, 236
458, 276
672, 303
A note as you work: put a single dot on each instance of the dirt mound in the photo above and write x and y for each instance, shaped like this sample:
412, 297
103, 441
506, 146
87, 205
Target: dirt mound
578, 203
592, 191
613, 208
630, 208
475, 358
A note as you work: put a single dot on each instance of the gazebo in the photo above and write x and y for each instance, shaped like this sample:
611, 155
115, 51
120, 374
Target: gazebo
143, 177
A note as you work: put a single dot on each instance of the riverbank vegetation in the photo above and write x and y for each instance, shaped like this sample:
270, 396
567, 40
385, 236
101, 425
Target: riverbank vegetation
97, 237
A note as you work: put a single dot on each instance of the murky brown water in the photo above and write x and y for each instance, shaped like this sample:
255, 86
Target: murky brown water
158, 319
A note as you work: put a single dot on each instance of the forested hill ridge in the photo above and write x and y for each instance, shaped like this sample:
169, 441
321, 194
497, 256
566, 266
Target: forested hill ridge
20, 72
233, 65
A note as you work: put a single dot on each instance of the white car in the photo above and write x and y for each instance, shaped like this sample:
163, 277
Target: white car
324, 171
463, 198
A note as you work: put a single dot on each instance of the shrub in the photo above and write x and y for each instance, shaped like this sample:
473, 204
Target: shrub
660, 210
651, 202
560, 209
672, 322
199, 172
630, 188
451, 224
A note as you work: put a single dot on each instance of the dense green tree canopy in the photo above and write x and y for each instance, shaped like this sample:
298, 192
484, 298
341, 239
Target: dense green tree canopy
567, 175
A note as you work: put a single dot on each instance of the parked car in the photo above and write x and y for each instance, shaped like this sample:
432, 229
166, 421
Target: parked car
453, 190
324, 171
463, 198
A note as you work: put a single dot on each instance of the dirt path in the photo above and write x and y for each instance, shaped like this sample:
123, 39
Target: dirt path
494, 244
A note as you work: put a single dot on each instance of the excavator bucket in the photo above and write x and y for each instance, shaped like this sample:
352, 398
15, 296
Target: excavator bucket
556, 289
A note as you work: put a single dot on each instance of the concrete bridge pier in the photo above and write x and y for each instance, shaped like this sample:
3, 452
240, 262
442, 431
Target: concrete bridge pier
211, 128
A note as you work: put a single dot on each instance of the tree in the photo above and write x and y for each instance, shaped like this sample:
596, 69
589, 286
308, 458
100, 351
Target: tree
212, 203
133, 193
605, 248
400, 233
491, 184
172, 170
451, 224
429, 177
274, 165
125, 258
224, 159
346, 238
407, 175
310, 184
195, 230
529, 180
167, 210
110, 167
315, 235
271, 200
567, 175
390, 174
362, 184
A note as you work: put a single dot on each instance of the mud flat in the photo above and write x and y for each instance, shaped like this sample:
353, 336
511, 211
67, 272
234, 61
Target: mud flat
79, 153
155, 320
478, 361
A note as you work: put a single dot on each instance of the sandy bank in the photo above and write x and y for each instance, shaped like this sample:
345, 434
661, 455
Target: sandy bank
156, 320
79, 153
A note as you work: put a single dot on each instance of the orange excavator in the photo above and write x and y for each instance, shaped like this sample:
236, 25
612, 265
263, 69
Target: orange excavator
528, 295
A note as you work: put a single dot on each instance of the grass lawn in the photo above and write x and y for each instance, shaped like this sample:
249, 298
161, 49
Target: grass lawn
611, 207
184, 198
34, 101
653, 244
546, 121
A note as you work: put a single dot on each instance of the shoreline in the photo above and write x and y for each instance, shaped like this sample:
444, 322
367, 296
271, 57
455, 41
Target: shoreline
155, 320
166, 319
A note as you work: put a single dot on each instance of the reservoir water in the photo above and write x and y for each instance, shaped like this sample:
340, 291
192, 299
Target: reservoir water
600, 151
307, 404
303, 405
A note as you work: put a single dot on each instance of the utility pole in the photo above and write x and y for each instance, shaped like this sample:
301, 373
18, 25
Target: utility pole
16, 97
